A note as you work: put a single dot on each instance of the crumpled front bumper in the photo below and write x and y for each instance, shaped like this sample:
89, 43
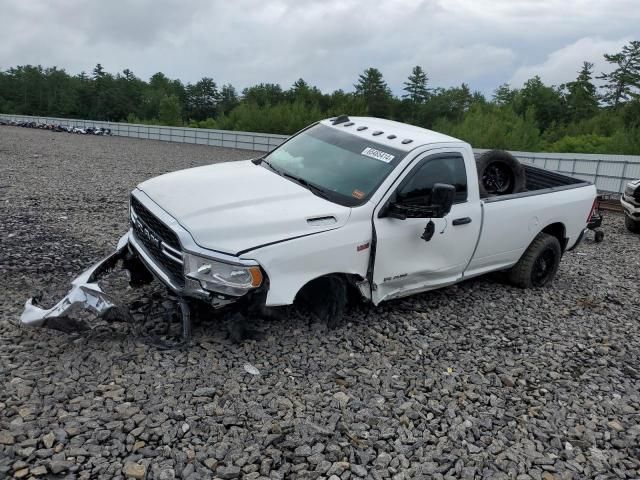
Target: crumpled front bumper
630, 209
85, 291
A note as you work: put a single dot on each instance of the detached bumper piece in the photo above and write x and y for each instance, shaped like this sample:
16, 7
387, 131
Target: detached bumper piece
86, 293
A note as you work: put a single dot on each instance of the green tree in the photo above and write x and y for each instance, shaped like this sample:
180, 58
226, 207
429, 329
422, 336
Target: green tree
30, 93
547, 102
160, 86
416, 86
228, 99
375, 92
170, 111
202, 99
301, 91
129, 91
98, 71
341, 102
60, 94
538, 116
450, 104
582, 98
504, 95
263, 94
104, 95
491, 126
624, 81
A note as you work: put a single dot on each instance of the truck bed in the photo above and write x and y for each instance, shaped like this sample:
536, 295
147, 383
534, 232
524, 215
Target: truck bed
508, 221
541, 181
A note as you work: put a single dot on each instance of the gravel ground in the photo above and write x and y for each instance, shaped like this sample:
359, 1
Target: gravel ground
479, 380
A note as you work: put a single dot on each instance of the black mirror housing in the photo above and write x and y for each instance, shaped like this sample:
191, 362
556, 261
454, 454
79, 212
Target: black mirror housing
442, 198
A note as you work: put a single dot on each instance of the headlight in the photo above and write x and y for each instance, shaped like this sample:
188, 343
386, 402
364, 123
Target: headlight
222, 277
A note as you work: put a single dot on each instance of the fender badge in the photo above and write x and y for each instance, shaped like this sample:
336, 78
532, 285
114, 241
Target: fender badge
362, 247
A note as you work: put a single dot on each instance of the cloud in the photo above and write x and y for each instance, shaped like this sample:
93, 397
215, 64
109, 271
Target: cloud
562, 65
328, 43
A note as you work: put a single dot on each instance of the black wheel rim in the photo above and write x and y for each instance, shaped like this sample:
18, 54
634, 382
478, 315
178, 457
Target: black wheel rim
497, 178
543, 268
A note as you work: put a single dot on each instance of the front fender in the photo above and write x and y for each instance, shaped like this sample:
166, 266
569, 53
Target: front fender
292, 264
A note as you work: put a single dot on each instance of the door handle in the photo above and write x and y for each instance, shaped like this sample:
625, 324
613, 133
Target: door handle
461, 221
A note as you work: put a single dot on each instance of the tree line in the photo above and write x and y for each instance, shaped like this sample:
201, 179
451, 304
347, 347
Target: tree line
572, 117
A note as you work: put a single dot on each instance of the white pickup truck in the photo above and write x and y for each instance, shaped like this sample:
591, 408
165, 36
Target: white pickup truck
379, 207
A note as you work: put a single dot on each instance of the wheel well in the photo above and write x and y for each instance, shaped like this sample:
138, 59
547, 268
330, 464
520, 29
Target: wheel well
557, 230
350, 280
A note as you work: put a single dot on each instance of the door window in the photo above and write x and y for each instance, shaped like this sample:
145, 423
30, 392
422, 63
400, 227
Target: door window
418, 186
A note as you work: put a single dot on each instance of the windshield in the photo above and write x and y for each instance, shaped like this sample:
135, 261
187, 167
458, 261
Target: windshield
343, 168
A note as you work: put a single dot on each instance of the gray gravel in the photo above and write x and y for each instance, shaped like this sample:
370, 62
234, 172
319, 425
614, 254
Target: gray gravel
479, 380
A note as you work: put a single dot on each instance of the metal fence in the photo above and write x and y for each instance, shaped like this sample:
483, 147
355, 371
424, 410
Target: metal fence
263, 142
609, 173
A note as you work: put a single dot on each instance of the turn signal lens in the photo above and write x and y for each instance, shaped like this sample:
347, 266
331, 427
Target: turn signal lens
256, 276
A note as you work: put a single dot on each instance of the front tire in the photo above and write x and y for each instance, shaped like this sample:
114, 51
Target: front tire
539, 264
632, 225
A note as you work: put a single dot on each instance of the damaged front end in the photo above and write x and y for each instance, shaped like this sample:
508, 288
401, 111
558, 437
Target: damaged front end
156, 246
87, 294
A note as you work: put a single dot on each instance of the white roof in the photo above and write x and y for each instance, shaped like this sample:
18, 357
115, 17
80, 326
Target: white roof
402, 131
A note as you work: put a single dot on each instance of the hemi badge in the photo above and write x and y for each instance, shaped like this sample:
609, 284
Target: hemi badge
364, 246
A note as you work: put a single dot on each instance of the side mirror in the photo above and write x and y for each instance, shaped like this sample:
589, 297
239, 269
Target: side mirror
442, 198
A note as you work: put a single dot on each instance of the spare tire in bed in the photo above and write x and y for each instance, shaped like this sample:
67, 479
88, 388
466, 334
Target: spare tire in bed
500, 173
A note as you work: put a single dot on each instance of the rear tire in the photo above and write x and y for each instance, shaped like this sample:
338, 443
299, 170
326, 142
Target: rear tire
500, 173
632, 225
539, 264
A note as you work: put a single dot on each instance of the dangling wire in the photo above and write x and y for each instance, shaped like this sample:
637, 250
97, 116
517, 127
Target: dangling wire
446, 224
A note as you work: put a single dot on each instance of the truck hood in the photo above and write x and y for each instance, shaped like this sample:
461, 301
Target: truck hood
237, 206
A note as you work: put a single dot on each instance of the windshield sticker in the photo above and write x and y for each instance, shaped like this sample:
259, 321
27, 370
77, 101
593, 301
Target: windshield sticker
357, 194
378, 155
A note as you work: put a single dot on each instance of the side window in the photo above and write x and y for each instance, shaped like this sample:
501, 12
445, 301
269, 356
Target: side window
449, 169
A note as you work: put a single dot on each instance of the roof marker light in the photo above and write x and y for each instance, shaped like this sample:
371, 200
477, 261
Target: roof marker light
391, 137
348, 124
406, 140
361, 128
340, 119
377, 132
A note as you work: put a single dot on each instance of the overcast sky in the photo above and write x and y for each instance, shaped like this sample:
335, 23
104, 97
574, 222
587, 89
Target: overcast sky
328, 43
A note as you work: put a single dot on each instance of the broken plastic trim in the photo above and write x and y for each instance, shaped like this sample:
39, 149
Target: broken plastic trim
84, 291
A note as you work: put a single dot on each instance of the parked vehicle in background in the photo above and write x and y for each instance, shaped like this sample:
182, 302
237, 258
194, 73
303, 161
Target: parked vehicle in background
56, 127
374, 206
630, 201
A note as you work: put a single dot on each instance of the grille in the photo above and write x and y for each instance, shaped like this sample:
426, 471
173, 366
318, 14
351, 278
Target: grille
162, 232
632, 192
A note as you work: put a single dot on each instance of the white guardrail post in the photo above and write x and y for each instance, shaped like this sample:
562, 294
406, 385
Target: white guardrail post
609, 173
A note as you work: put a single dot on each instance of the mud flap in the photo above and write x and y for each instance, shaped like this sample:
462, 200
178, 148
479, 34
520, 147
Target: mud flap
85, 292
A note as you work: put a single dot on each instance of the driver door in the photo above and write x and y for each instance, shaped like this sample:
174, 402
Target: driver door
404, 262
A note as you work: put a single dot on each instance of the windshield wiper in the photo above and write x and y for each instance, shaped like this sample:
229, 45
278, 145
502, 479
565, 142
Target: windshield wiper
261, 160
313, 188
